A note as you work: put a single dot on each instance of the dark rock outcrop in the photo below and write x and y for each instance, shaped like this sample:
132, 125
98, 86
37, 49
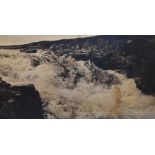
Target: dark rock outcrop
20, 102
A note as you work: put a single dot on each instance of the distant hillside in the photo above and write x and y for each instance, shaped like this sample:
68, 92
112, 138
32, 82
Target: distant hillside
80, 41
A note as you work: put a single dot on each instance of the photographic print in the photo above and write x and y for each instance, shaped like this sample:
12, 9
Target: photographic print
77, 76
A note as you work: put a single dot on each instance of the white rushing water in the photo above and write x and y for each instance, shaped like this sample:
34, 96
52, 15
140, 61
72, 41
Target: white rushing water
64, 99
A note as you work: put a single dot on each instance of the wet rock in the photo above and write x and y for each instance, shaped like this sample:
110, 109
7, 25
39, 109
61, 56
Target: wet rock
28, 50
20, 102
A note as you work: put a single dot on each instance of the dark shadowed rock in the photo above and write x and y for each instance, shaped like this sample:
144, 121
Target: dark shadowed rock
20, 102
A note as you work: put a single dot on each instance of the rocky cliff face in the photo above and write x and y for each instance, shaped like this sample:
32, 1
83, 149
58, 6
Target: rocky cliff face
20, 102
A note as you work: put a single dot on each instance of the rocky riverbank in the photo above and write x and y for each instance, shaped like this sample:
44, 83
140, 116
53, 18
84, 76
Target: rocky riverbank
20, 102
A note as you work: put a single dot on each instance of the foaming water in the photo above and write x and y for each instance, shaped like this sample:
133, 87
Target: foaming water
66, 96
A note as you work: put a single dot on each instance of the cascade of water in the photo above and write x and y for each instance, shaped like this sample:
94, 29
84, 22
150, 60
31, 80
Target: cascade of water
70, 88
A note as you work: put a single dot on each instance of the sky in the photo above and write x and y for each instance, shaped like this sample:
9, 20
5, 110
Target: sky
22, 39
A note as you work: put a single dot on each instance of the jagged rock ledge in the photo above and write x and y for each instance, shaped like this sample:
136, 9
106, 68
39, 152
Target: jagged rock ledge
20, 102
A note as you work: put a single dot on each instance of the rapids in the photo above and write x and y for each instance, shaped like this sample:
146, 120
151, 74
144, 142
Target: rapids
76, 89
